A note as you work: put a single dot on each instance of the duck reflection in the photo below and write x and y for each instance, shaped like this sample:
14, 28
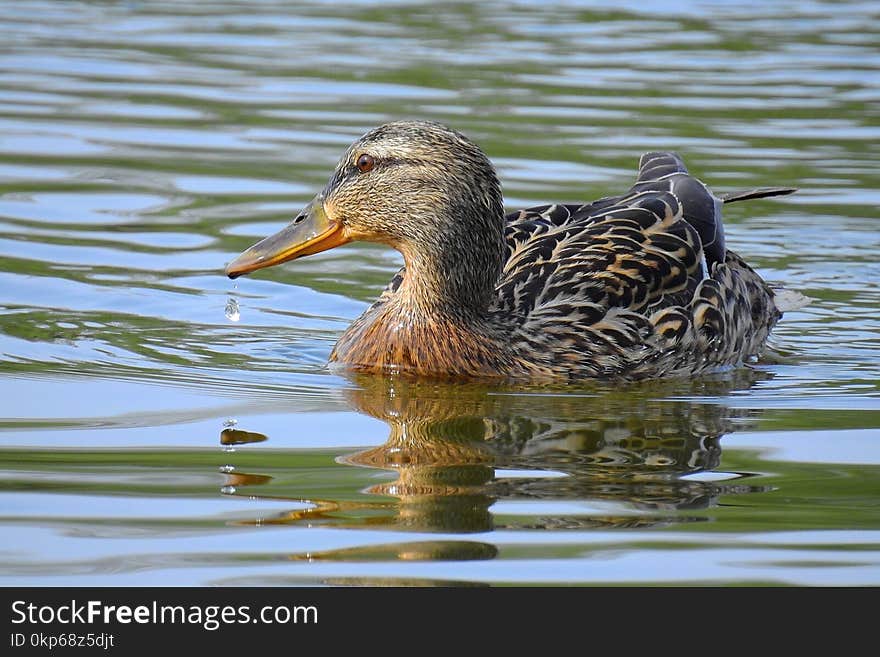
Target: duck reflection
469, 458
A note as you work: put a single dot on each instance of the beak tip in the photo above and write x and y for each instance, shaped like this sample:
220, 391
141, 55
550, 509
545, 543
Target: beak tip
231, 271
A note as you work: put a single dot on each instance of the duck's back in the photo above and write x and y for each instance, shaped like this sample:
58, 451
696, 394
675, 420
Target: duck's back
632, 286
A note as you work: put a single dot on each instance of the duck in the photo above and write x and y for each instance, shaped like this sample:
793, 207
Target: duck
624, 288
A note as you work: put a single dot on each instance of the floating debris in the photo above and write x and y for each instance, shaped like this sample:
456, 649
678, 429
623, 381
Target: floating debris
231, 437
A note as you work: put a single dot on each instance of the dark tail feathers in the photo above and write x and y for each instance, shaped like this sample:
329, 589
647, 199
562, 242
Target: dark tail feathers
761, 192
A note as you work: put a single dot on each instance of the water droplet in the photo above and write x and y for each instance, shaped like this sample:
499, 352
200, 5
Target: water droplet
233, 314
228, 490
229, 423
228, 448
226, 469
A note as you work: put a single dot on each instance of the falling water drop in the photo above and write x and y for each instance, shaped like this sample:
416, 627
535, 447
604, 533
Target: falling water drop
233, 314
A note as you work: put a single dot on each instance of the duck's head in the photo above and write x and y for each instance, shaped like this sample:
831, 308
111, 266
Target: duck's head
420, 187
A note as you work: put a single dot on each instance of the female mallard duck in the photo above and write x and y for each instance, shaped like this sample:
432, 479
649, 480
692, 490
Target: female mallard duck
627, 287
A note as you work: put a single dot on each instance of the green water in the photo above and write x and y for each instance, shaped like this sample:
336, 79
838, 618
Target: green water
146, 439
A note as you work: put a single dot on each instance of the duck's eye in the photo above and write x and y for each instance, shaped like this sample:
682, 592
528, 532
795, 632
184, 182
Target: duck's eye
365, 163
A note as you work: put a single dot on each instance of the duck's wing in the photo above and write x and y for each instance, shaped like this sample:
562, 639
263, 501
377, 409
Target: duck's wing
665, 172
647, 267
630, 252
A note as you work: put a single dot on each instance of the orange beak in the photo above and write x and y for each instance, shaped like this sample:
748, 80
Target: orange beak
312, 231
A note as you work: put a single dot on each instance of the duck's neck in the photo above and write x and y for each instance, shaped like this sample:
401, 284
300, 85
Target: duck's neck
453, 279
437, 321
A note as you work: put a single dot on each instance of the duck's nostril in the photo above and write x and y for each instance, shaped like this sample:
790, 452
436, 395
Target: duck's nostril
299, 219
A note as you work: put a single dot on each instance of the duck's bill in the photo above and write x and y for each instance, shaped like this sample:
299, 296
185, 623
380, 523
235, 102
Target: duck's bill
312, 231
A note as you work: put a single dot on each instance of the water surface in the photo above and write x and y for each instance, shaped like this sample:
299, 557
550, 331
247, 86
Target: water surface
160, 424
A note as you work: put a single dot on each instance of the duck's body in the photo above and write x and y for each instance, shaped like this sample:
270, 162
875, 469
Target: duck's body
629, 287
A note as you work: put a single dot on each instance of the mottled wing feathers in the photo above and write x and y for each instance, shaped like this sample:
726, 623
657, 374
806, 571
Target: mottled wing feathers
620, 281
630, 252
701, 209
728, 319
